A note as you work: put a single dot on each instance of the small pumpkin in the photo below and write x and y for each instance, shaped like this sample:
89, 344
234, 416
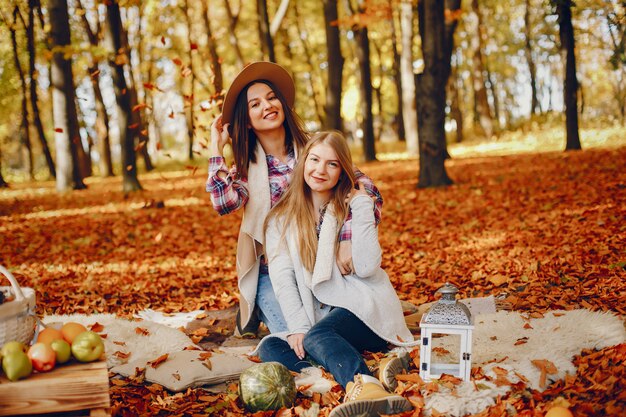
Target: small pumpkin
267, 386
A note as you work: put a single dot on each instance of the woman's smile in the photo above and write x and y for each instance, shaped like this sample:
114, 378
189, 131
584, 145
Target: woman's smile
271, 115
264, 108
322, 169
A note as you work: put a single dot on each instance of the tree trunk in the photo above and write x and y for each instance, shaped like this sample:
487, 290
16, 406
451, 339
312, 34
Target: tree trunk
278, 17
34, 101
232, 24
617, 32
153, 121
399, 119
3, 183
215, 60
84, 155
478, 69
24, 125
189, 100
493, 88
409, 111
138, 112
113, 36
101, 124
67, 135
532, 68
570, 89
455, 102
309, 60
267, 44
379, 126
335, 68
365, 87
437, 43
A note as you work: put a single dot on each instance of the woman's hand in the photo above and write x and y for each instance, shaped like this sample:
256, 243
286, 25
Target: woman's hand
296, 341
219, 136
344, 257
355, 192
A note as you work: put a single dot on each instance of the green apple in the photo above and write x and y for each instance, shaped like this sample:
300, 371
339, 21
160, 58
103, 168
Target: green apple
87, 346
16, 365
62, 349
13, 346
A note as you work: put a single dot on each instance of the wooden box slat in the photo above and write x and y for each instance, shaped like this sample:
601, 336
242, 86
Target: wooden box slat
66, 388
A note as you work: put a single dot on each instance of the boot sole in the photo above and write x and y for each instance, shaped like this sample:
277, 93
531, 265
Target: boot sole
395, 367
372, 408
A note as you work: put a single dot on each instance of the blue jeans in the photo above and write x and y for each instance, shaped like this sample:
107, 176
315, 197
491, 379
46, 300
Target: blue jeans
269, 309
274, 349
336, 342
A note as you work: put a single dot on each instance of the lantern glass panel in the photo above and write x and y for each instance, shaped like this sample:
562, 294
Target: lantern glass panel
445, 354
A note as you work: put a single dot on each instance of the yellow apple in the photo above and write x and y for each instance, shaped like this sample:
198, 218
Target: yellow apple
87, 346
13, 346
62, 349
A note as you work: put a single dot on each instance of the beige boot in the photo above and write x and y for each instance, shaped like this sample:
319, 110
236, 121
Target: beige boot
366, 397
391, 366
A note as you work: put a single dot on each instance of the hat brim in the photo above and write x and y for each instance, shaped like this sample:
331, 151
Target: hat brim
262, 70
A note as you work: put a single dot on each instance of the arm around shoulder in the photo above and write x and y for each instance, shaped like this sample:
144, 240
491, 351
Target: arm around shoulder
366, 251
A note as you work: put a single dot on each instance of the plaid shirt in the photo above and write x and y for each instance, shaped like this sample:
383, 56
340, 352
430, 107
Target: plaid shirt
231, 193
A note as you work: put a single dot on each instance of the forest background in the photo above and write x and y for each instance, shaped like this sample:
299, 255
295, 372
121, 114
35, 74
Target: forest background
87, 84
104, 128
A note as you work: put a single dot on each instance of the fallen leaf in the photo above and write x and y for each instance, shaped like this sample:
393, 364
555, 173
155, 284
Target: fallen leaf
142, 331
546, 367
96, 327
158, 361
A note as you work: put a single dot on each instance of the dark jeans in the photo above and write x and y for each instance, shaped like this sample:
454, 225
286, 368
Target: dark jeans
274, 349
336, 342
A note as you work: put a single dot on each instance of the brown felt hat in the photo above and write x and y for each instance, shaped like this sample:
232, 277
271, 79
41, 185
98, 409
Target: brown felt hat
261, 70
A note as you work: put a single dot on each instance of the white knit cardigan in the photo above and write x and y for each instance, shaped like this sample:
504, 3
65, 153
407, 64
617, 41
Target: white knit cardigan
367, 293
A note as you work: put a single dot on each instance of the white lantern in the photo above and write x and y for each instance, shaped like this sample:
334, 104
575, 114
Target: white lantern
446, 317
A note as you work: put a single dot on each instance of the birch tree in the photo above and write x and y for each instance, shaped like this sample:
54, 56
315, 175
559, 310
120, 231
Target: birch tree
67, 135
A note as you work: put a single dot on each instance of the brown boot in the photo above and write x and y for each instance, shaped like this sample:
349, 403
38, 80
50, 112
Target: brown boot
390, 366
366, 397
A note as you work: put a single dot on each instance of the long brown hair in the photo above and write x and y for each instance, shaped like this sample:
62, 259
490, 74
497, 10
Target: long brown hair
296, 206
244, 138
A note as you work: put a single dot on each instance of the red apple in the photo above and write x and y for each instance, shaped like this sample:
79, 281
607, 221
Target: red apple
42, 356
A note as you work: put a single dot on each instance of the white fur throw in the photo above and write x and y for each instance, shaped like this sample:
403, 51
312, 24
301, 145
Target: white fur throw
557, 337
122, 336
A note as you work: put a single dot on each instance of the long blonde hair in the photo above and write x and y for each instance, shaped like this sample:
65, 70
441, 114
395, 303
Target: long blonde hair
295, 208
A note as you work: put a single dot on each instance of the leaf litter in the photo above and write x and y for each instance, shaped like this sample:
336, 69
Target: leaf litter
545, 230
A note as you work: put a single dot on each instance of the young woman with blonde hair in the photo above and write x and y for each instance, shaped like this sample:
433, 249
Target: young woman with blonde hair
332, 317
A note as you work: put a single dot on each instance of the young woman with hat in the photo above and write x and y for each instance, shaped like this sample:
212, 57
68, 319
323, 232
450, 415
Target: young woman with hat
267, 136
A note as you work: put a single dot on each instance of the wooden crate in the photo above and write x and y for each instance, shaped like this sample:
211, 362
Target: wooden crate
65, 389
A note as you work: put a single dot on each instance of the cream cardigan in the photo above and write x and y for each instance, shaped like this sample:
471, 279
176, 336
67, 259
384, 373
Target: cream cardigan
367, 293
251, 236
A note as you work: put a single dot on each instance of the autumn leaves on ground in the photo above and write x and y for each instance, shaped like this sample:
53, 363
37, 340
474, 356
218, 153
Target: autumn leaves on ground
548, 229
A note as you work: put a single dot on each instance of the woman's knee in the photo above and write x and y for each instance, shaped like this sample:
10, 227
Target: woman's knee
272, 348
317, 339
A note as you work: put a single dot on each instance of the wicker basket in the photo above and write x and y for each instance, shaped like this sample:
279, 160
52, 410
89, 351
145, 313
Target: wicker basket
17, 317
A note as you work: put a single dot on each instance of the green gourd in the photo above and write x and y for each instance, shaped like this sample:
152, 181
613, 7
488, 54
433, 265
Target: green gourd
267, 386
